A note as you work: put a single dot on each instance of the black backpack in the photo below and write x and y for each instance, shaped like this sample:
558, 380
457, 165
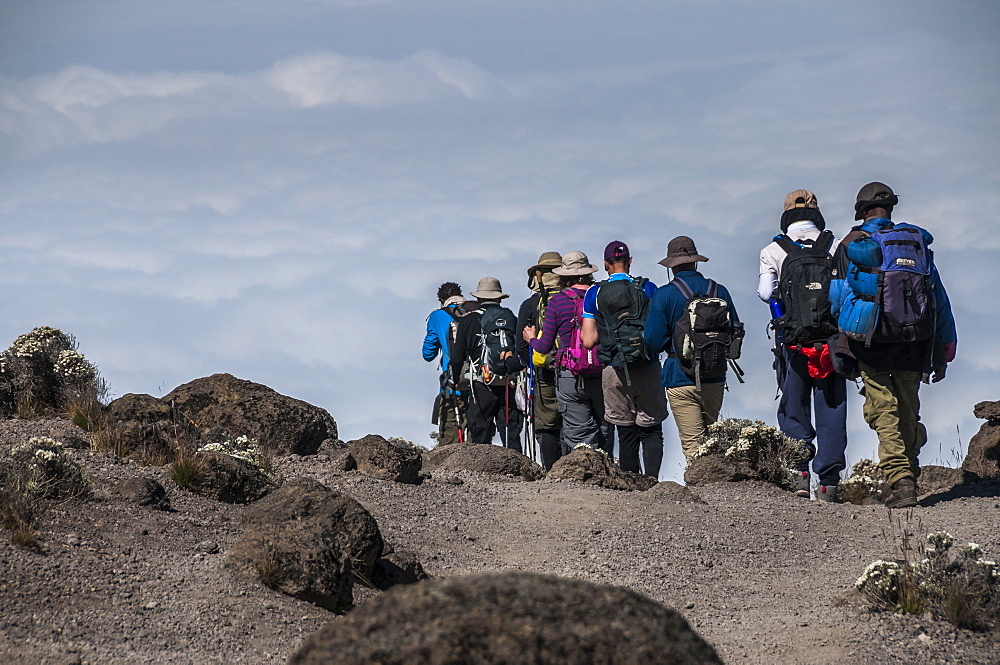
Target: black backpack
456, 313
497, 344
804, 288
622, 306
706, 339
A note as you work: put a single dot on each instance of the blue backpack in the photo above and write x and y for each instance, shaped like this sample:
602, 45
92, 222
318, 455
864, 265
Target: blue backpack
894, 302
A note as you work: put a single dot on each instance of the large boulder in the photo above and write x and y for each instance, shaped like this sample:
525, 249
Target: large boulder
343, 522
594, 467
149, 427
509, 617
983, 457
230, 479
297, 559
482, 458
244, 408
389, 460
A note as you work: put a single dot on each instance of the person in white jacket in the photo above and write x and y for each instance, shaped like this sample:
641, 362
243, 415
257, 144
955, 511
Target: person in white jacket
807, 388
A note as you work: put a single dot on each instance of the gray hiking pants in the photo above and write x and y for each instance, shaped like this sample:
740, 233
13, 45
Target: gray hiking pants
581, 403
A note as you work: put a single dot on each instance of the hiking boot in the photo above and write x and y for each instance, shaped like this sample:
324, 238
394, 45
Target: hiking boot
828, 493
800, 482
903, 494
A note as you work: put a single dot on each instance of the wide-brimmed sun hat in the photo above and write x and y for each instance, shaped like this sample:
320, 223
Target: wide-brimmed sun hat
681, 250
489, 289
575, 263
547, 261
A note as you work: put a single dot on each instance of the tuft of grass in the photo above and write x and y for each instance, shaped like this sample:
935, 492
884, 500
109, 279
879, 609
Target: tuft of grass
269, 569
186, 471
109, 438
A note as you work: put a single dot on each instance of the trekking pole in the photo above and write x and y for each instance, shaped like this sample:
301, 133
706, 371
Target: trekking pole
530, 412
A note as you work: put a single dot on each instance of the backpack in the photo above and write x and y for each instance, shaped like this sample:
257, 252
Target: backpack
804, 289
622, 306
457, 313
496, 343
702, 337
575, 358
904, 300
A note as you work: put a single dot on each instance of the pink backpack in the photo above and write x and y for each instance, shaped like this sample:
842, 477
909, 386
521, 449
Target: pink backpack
575, 358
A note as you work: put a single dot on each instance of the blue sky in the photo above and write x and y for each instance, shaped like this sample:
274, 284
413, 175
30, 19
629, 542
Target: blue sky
276, 189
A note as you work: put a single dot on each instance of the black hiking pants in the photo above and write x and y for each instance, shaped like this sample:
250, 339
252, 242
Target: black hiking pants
493, 409
630, 437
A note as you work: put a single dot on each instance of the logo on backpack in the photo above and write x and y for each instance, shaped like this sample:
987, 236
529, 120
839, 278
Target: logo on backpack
622, 306
905, 302
496, 343
575, 358
706, 339
804, 290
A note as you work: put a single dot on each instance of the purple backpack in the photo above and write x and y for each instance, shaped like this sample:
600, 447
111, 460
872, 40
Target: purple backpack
905, 301
575, 358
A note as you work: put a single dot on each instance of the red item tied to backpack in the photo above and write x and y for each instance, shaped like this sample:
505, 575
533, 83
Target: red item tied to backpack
817, 360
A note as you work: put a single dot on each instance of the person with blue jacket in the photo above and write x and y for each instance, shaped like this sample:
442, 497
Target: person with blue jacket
694, 410
892, 364
450, 404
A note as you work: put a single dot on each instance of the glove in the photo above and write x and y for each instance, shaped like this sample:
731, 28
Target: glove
939, 373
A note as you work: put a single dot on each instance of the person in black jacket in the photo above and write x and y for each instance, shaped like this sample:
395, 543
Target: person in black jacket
493, 406
545, 407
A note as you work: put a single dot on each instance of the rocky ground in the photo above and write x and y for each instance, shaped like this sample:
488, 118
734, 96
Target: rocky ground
763, 576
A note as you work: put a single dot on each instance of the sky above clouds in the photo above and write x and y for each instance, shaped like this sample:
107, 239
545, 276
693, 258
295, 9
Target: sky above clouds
276, 189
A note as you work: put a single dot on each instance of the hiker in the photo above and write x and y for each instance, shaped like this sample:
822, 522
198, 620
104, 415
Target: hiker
450, 403
895, 313
485, 338
795, 274
614, 313
694, 378
578, 387
543, 408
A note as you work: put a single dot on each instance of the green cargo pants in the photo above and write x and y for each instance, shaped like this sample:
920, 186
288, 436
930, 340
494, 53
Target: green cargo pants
892, 409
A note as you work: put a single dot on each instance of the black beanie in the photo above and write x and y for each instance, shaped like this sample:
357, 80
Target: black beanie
813, 215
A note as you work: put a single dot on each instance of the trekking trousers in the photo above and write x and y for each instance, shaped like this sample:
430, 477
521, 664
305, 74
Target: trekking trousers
493, 409
630, 438
892, 409
447, 422
581, 403
804, 398
694, 410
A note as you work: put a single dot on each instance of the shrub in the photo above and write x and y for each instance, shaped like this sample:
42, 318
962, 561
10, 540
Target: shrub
185, 471
865, 485
762, 449
955, 584
43, 371
246, 449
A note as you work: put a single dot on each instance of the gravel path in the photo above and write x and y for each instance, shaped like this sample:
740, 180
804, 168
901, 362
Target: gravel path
762, 575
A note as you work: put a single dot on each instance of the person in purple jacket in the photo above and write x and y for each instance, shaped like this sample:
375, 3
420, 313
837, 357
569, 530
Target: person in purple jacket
579, 393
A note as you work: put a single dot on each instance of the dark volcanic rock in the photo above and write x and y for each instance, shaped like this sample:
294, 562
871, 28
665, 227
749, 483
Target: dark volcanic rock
712, 469
593, 467
229, 479
343, 522
482, 459
400, 567
671, 491
983, 456
245, 408
144, 492
295, 558
388, 460
149, 427
507, 618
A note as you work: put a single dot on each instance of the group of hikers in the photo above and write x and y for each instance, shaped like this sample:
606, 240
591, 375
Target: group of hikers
580, 361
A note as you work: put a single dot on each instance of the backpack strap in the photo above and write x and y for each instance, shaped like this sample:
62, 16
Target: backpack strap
713, 289
785, 243
683, 287
824, 241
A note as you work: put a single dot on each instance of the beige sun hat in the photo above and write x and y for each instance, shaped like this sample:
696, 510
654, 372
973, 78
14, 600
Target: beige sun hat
546, 261
489, 289
801, 198
575, 263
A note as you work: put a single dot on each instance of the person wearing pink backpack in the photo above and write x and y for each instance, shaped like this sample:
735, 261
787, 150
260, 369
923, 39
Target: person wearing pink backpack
578, 378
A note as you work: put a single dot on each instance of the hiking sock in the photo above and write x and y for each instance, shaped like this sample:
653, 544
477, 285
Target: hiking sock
551, 448
652, 449
628, 448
